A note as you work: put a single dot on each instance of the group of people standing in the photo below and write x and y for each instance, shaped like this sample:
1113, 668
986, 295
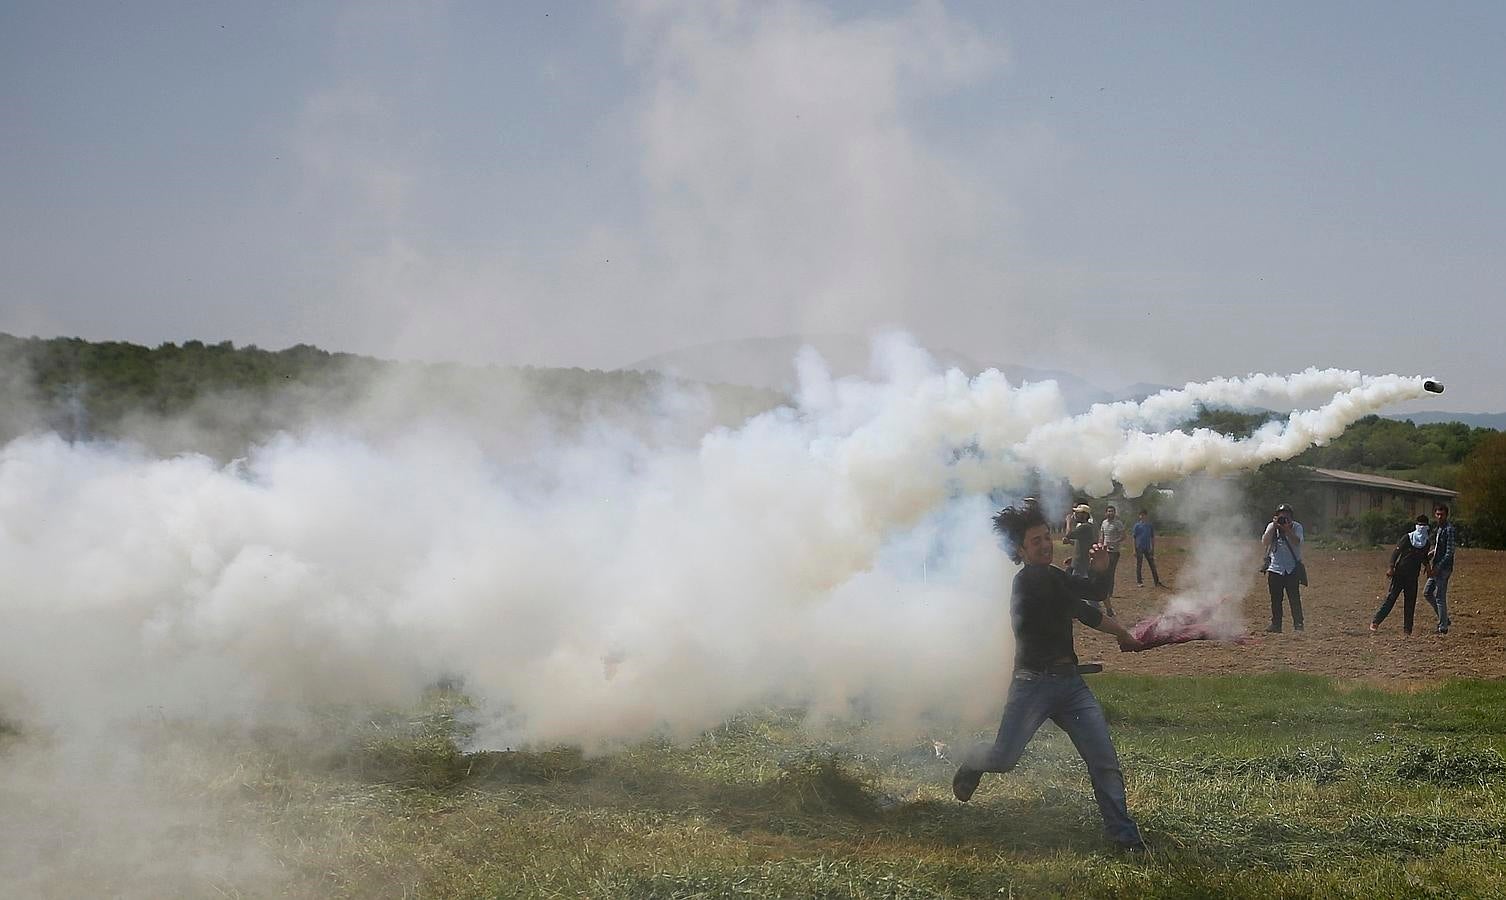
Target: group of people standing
1083, 534
1421, 550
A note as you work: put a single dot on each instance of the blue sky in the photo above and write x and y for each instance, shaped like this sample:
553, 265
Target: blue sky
1133, 191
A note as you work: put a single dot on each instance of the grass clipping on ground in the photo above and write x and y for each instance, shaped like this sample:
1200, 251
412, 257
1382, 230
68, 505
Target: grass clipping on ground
1275, 786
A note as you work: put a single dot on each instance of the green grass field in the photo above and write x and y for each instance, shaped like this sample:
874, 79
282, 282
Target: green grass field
1275, 786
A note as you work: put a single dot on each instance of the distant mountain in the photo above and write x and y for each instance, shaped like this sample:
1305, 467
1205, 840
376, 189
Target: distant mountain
770, 363
1140, 390
1473, 420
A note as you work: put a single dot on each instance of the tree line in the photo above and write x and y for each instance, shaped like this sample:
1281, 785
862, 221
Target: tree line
219, 398
1452, 455
241, 395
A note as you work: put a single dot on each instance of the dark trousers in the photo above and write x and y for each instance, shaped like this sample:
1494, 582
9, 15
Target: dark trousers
1288, 584
1146, 556
1064, 699
1406, 587
1113, 567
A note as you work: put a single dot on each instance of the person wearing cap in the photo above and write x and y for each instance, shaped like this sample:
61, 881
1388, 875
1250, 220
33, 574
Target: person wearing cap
1082, 534
1283, 548
1043, 602
1080, 521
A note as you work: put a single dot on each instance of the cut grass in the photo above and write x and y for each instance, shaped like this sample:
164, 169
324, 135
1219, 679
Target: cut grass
1268, 786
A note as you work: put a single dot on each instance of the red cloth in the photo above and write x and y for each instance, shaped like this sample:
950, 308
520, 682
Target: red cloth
1176, 628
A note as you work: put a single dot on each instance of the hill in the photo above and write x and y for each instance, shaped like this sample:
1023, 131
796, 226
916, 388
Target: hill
1496, 421
218, 398
770, 363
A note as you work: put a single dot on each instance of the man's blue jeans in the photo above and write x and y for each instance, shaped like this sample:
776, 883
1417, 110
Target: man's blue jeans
1065, 700
1436, 593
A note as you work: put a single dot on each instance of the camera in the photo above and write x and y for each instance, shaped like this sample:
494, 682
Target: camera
1284, 520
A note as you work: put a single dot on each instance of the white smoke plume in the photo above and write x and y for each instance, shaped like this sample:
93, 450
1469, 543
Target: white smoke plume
832, 552
1222, 558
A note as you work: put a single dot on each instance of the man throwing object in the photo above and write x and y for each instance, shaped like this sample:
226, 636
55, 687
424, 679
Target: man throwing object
1044, 601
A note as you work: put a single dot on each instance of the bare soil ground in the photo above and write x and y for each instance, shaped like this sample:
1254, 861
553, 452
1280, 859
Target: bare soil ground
1347, 587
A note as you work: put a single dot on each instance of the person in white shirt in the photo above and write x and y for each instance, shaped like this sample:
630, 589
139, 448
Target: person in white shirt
1283, 548
1111, 536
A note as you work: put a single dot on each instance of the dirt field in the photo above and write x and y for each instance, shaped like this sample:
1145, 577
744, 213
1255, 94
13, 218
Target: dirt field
1346, 588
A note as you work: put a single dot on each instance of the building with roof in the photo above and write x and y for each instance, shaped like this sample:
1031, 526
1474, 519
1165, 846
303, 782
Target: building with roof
1349, 495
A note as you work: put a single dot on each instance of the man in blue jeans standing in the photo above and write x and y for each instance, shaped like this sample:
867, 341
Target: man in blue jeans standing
1046, 685
1436, 589
1145, 550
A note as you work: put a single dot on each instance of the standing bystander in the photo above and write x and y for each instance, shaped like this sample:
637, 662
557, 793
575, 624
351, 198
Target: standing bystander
1442, 560
1111, 536
1145, 549
1082, 534
1283, 549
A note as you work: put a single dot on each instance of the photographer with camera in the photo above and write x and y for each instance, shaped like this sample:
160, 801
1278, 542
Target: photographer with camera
1284, 571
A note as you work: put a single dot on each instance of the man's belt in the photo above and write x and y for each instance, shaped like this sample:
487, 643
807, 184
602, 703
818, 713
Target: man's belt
1063, 670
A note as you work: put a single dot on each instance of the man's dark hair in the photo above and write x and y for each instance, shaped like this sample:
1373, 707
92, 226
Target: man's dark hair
1438, 506
1143, 512
1012, 522
1109, 507
1422, 520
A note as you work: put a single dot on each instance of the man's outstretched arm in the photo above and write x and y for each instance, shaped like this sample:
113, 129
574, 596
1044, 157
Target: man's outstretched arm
1110, 625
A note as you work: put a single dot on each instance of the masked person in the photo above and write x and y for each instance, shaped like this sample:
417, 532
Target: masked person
1283, 548
1043, 603
1407, 562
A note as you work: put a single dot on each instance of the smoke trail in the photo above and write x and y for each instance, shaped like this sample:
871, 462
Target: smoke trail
832, 552
1120, 442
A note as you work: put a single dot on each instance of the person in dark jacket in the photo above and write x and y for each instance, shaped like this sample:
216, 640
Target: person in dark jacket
1407, 562
1044, 601
1145, 550
1442, 562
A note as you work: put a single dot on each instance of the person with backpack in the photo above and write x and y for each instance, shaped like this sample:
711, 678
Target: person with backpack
1407, 562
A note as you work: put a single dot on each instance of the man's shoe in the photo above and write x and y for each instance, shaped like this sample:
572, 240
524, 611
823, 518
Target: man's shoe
1274, 629
965, 782
1374, 628
1443, 629
1138, 848
1296, 626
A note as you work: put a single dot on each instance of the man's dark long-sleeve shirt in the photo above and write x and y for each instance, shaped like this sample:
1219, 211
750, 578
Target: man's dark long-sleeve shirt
1407, 560
1044, 601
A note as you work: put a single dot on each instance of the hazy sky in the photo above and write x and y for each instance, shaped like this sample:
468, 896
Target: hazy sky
1134, 191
